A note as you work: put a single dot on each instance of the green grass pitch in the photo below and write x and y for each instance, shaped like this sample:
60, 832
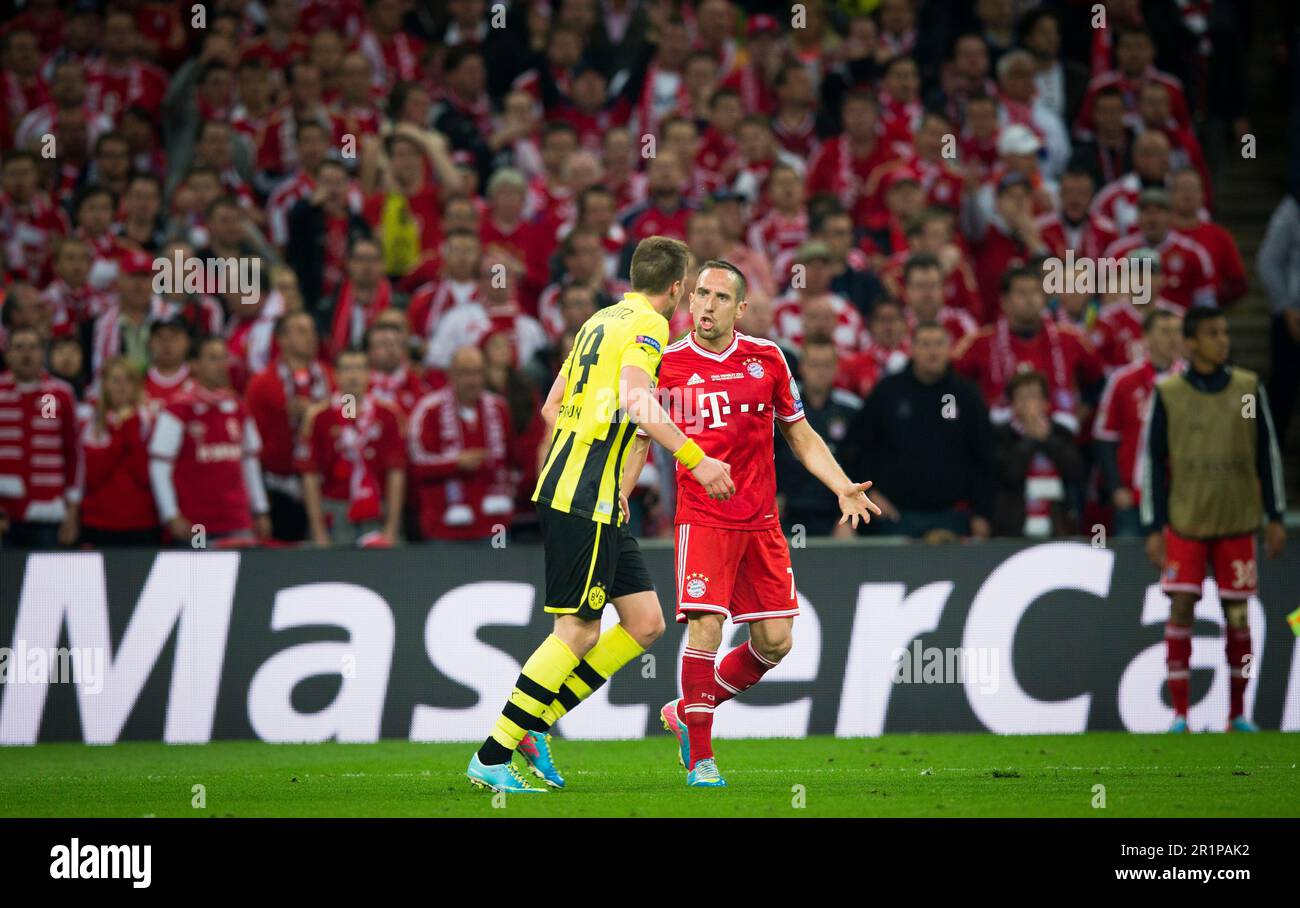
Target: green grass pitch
1205, 775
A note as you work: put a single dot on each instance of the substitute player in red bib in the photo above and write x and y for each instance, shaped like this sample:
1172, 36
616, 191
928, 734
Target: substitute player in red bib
726, 390
1211, 470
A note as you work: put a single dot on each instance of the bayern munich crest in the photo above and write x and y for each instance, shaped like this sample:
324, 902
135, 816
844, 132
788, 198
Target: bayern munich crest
696, 585
754, 367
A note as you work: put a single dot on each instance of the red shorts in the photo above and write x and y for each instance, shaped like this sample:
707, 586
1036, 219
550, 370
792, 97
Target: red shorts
742, 573
1233, 559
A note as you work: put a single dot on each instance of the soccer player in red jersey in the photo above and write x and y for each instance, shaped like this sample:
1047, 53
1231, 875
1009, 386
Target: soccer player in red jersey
725, 389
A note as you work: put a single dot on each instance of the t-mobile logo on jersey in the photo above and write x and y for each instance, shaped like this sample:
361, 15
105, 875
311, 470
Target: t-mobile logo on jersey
713, 405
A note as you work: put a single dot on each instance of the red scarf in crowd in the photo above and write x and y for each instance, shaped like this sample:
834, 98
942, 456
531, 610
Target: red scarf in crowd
341, 331
363, 489
312, 382
1004, 358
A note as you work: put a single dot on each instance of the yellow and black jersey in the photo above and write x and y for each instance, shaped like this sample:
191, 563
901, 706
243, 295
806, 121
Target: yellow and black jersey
585, 460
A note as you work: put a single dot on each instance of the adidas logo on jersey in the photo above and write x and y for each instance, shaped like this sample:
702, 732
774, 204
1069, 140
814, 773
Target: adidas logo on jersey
695, 379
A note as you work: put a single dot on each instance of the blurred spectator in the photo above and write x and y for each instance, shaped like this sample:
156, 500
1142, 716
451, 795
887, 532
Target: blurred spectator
1023, 339
1060, 84
41, 460
1117, 433
923, 436
1187, 272
1108, 154
1039, 467
497, 307
29, 219
461, 440
1188, 218
123, 329
168, 374
278, 400
1117, 201
204, 461
504, 378
73, 302
851, 277
1073, 227
394, 379
1279, 270
323, 227
352, 459
364, 293
117, 506
923, 298
1017, 71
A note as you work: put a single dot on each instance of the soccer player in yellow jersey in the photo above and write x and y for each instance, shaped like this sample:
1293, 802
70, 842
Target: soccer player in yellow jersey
603, 393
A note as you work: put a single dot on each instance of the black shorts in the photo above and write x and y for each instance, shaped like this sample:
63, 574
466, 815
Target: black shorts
588, 563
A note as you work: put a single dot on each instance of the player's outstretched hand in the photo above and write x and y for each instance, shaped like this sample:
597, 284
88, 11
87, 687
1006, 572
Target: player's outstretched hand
715, 476
855, 505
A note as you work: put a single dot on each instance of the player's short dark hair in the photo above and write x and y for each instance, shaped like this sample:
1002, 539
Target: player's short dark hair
1197, 316
896, 60
364, 241
223, 201
1018, 272
722, 93
818, 344
109, 138
884, 303
929, 325
658, 262
141, 176
556, 127
862, 95
372, 330
1110, 91
305, 125
204, 340
282, 323
1023, 379
90, 192
26, 329
1132, 31
742, 285
1155, 316
355, 351
459, 54
21, 154
1031, 20
921, 261
917, 223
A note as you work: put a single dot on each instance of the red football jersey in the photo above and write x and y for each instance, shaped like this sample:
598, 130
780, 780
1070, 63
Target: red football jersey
207, 434
1121, 412
727, 402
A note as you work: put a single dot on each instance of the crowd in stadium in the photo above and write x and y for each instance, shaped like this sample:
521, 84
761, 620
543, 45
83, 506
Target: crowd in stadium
430, 198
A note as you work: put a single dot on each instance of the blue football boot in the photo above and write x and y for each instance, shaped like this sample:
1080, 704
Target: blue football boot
536, 751
502, 777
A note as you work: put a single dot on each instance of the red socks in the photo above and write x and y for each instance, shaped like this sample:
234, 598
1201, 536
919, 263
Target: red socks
704, 687
740, 670
1238, 646
698, 700
1178, 659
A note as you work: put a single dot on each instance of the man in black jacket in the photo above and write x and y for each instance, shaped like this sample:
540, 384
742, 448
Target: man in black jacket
322, 227
924, 432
